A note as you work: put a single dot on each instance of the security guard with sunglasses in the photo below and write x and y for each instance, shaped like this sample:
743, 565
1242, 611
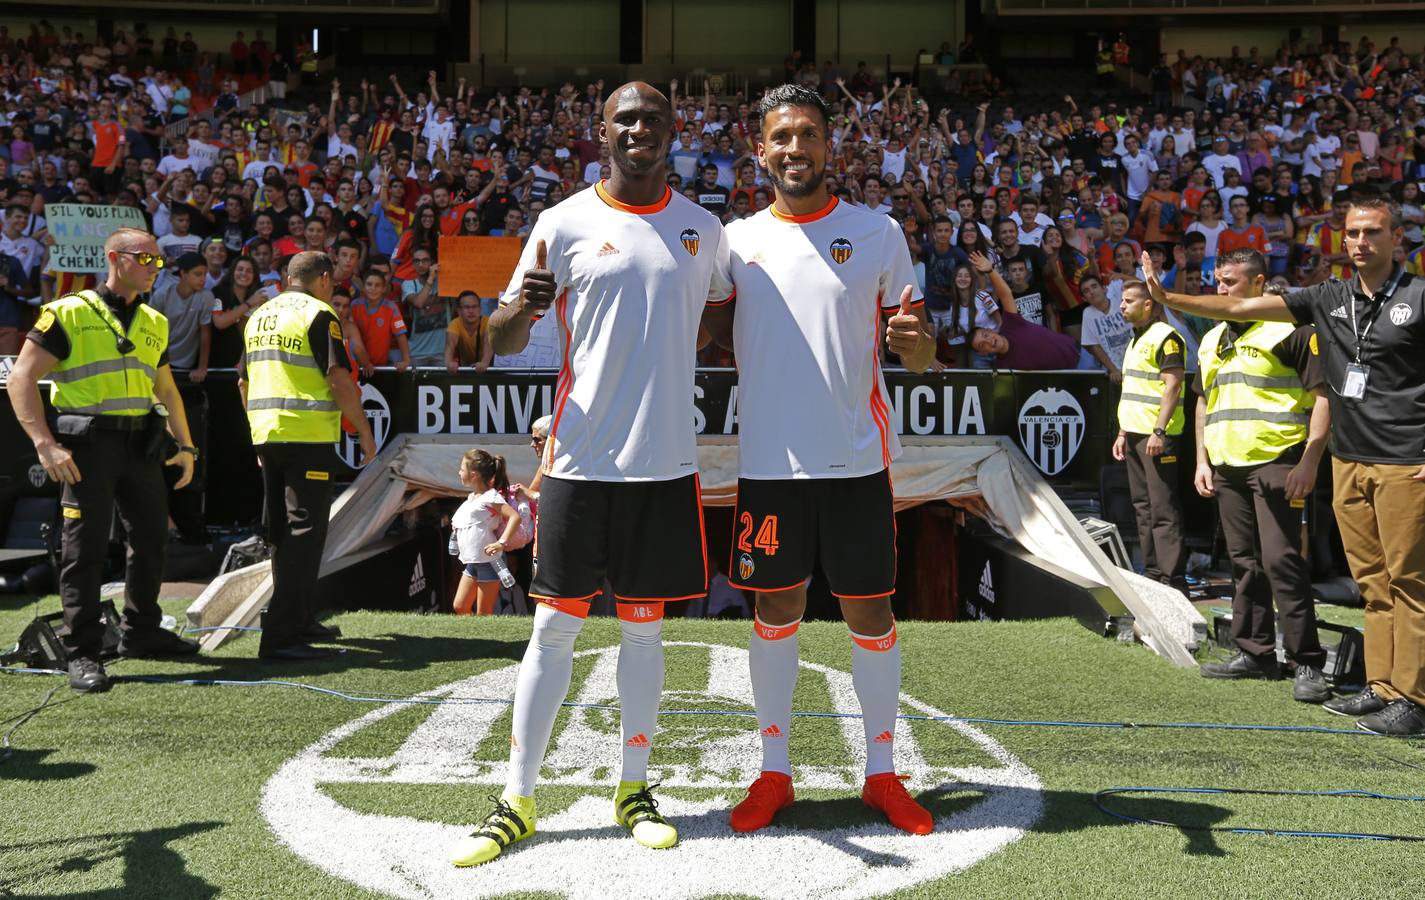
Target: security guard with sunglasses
1261, 436
117, 409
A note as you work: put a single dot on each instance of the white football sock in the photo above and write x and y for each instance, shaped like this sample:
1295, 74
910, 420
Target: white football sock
543, 684
772, 658
876, 675
640, 683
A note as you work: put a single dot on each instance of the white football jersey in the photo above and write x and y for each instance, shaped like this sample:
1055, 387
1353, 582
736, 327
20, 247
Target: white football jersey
631, 284
811, 292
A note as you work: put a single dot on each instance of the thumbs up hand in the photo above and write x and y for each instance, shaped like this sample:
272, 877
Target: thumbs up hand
537, 289
904, 331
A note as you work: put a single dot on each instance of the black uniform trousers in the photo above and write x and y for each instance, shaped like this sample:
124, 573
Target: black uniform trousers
1262, 531
114, 470
1153, 485
186, 505
296, 480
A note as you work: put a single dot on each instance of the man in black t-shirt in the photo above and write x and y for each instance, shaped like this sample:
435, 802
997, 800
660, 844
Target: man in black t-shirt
1371, 332
1010, 250
711, 195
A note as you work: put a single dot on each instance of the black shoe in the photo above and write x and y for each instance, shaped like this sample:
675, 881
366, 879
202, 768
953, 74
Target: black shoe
1310, 685
1243, 665
317, 633
87, 676
1400, 718
155, 642
297, 653
1362, 704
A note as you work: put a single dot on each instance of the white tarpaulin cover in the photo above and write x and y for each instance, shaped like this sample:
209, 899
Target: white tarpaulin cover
414, 469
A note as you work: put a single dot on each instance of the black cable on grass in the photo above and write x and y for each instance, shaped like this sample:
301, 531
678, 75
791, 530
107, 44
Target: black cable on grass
6, 750
1098, 802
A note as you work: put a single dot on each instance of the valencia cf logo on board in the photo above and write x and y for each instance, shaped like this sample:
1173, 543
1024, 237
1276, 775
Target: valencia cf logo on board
745, 567
840, 250
690, 239
1051, 428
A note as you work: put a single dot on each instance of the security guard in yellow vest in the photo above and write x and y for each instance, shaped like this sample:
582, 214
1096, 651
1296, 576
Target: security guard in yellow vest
1150, 424
1260, 438
296, 388
105, 354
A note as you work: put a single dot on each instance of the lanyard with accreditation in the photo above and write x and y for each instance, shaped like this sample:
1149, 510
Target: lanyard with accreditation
1354, 386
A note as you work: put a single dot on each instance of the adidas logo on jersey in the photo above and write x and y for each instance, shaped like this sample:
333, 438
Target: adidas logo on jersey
639, 741
772, 731
884, 737
607, 249
1338, 313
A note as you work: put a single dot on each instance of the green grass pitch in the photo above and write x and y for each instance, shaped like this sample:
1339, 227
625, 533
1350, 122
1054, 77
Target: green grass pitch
155, 791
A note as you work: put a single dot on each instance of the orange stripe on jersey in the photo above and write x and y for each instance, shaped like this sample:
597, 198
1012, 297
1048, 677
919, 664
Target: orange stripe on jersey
578, 607
774, 632
878, 403
648, 210
566, 378
878, 644
728, 299
650, 611
702, 527
809, 217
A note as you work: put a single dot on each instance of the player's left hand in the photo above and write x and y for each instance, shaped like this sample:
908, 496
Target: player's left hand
184, 461
903, 330
1419, 476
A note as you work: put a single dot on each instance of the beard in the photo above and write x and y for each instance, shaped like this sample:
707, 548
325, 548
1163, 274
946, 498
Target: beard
792, 189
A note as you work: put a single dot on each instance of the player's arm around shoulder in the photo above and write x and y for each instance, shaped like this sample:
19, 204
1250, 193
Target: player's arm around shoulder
531, 291
721, 307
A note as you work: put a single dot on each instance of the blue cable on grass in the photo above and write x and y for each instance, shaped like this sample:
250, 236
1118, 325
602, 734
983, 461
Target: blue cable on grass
1098, 802
911, 717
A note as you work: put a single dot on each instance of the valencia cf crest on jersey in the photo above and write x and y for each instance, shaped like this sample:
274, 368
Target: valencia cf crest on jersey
840, 250
690, 238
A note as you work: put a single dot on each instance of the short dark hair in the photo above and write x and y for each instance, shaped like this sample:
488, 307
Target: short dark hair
793, 95
1369, 199
309, 265
942, 219
1252, 260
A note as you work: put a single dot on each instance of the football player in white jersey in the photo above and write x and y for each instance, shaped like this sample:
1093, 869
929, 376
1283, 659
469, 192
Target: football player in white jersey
815, 279
627, 267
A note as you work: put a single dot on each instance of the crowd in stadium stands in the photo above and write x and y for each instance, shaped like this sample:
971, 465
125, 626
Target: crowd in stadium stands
1252, 150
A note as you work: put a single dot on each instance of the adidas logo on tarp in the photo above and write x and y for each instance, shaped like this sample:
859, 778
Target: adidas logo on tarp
772, 731
639, 741
987, 585
884, 737
418, 577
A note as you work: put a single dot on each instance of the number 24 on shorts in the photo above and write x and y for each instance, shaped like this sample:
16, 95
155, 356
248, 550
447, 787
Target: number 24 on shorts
766, 539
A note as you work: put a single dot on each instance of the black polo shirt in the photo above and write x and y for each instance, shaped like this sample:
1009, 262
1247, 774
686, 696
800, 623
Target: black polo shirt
1387, 425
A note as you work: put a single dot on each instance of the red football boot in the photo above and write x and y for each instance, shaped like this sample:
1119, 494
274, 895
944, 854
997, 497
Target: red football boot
769, 794
886, 793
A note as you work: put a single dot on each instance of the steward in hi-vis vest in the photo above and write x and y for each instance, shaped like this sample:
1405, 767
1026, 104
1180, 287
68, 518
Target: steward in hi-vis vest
1261, 433
295, 384
1150, 426
117, 412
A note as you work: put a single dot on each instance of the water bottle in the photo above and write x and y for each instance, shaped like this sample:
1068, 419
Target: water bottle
507, 578
453, 548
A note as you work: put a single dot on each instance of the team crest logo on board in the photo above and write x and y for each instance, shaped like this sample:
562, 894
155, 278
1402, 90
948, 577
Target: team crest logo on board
1051, 428
378, 413
337, 804
690, 239
1400, 314
840, 250
745, 567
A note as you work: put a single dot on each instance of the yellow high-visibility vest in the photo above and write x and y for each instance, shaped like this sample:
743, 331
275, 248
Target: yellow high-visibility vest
1257, 407
1142, 396
288, 398
96, 379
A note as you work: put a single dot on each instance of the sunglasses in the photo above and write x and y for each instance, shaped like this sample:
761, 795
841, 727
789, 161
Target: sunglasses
145, 258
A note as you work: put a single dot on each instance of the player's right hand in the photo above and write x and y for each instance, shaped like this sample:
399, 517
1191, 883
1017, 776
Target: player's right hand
537, 289
58, 463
